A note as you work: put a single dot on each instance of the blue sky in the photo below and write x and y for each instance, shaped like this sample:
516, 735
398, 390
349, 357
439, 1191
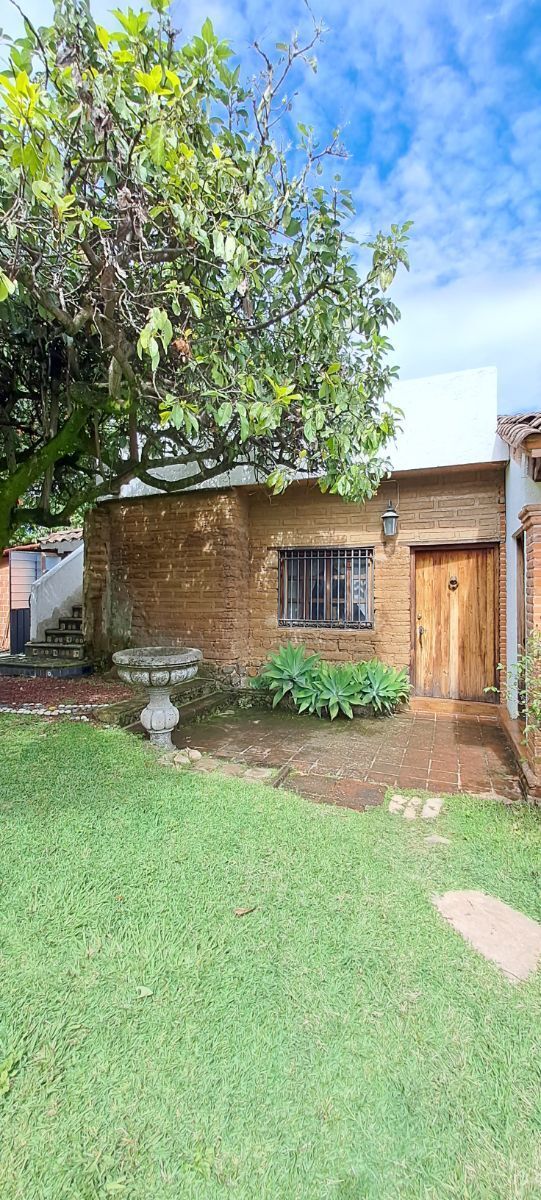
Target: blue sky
439, 103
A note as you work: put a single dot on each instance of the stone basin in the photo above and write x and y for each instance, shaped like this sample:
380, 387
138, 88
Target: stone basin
158, 668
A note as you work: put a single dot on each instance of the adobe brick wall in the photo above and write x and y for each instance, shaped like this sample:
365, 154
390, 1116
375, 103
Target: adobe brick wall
170, 570
436, 508
202, 568
4, 602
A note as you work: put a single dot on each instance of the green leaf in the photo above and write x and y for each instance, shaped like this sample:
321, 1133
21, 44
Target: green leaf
31, 159
42, 191
224, 414
103, 37
156, 140
151, 82
218, 243
294, 227
195, 303
229, 248
7, 286
207, 33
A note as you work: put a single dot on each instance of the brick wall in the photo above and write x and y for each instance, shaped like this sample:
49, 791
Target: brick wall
170, 570
202, 568
4, 602
435, 508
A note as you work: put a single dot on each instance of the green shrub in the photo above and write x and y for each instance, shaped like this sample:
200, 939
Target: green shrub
321, 687
289, 669
382, 687
336, 689
522, 682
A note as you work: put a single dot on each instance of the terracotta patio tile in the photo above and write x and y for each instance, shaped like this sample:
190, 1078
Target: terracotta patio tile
409, 780
351, 790
416, 759
442, 785
412, 751
474, 785
385, 764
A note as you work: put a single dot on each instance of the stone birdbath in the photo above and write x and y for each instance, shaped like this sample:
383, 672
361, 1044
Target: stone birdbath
158, 668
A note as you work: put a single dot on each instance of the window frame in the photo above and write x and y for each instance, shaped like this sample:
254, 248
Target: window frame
340, 554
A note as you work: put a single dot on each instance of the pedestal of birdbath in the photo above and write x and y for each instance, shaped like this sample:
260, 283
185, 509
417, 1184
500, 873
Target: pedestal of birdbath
158, 668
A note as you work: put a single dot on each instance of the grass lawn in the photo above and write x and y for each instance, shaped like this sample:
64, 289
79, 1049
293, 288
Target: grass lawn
341, 1041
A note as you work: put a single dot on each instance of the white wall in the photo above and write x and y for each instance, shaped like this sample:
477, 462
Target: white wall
449, 420
519, 490
54, 593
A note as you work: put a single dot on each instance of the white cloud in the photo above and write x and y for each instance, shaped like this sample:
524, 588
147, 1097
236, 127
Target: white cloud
475, 321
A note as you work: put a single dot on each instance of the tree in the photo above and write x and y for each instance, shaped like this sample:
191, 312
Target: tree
176, 287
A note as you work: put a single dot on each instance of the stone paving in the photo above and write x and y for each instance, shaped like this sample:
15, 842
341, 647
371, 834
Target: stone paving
353, 763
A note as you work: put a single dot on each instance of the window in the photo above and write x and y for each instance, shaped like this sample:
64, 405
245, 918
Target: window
332, 588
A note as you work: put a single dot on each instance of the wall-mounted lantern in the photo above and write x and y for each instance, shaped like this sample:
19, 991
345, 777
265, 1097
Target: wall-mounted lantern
390, 521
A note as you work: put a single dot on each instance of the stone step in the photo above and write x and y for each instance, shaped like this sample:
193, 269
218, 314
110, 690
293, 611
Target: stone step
50, 650
64, 637
77, 610
193, 696
19, 664
70, 622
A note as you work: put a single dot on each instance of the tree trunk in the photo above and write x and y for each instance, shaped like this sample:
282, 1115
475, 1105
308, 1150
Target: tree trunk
18, 482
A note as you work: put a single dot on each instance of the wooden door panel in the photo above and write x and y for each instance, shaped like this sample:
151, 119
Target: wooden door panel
456, 605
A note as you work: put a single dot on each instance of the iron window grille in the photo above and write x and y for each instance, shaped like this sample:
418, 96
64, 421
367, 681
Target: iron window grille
332, 588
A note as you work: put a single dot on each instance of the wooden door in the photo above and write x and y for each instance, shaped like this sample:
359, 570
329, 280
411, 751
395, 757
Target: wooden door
455, 629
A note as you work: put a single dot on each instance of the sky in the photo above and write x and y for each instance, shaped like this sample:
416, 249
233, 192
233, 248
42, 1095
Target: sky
439, 104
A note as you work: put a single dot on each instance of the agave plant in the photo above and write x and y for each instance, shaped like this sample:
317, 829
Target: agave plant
380, 687
337, 690
320, 687
289, 669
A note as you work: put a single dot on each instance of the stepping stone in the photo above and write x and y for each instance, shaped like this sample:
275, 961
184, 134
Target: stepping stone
412, 809
260, 773
232, 769
397, 803
208, 763
436, 840
501, 934
432, 808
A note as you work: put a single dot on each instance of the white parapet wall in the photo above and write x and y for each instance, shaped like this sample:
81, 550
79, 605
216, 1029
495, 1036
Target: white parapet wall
53, 595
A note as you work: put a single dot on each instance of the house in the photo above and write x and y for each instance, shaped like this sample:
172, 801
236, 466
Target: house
20, 568
234, 571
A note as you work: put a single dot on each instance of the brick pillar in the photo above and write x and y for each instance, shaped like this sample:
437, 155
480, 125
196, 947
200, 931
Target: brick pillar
530, 518
96, 589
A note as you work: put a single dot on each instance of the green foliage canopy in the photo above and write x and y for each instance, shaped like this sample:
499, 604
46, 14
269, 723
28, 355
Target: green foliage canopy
185, 278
